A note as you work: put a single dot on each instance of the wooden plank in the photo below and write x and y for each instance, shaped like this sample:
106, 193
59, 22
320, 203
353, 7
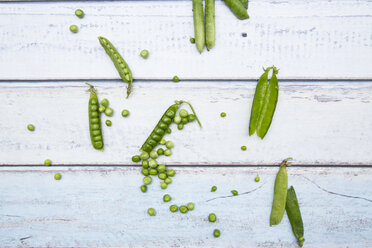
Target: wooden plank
103, 207
306, 39
316, 123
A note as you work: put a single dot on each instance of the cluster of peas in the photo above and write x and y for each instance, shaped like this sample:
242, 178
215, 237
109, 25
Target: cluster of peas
173, 208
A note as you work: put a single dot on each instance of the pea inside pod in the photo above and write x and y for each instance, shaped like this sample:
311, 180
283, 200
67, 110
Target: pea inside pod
94, 117
294, 215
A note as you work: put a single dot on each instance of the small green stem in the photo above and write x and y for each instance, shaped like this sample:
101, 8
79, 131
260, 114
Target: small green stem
91, 89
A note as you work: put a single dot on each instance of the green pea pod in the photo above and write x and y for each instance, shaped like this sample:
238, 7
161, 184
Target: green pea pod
197, 6
210, 27
120, 64
94, 117
237, 8
280, 194
294, 215
245, 3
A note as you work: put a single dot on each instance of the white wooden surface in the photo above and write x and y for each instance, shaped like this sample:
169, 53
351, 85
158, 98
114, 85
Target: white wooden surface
305, 39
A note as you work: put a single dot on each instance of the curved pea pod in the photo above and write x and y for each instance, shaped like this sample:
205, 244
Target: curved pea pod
120, 64
199, 29
280, 194
94, 116
237, 8
294, 215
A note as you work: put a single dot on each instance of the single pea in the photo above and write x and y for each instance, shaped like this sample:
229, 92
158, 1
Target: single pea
145, 172
125, 113
143, 188
169, 130
153, 172
136, 158
167, 198
160, 151
223, 114
185, 120
176, 79
154, 154
144, 54
257, 178
162, 176
177, 119
30, 127
171, 173
216, 233
74, 28
167, 152
153, 163
243, 148
162, 142
234, 192
213, 189
180, 126
79, 13
101, 109
190, 206
47, 162
57, 176
163, 185
212, 217
105, 103
151, 212
108, 123
109, 111
161, 168
191, 118
168, 180
192, 40
183, 113
145, 164
169, 144
144, 155
173, 208
147, 180
183, 209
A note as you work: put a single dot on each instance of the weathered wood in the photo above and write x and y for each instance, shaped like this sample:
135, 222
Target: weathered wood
316, 123
306, 39
103, 207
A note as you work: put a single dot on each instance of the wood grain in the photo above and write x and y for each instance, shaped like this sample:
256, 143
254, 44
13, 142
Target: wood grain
305, 39
316, 123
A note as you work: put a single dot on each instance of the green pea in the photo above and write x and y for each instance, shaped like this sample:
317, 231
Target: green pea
176, 79
145, 172
213, 189
145, 164
191, 118
257, 178
167, 152
171, 173
101, 109
79, 13
147, 180
108, 123
169, 144
151, 212
183, 209
183, 113
47, 162
234, 192
167, 198
190, 206
216, 233
160, 151
105, 103
180, 126
144, 155
185, 120
153, 163
161, 168
144, 54
223, 114
162, 176
163, 185
177, 119
109, 111
143, 188
153, 172
244, 148
169, 130
136, 158
57, 176
173, 208
125, 113
162, 142
168, 180
212, 217
154, 154
30, 127
74, 28
192, 40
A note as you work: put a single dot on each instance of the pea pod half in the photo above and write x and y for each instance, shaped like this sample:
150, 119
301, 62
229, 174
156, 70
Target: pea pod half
294, 215
160, 129
95, 128
264, 103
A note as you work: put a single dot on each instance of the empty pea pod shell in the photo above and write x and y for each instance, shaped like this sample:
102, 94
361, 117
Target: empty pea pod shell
294, 215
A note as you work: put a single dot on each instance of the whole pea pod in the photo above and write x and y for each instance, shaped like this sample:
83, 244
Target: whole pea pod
294, 215
120, 64
199, 31
264, 103
280, 194
94, 117
165, 121
237, 8
210, 27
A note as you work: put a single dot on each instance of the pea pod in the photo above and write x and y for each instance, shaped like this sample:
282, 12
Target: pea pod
245, 3
264, 103
120, 64
197, 7
165, 121
210, 27
95, 128
280, 194
237, 8
294, 215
